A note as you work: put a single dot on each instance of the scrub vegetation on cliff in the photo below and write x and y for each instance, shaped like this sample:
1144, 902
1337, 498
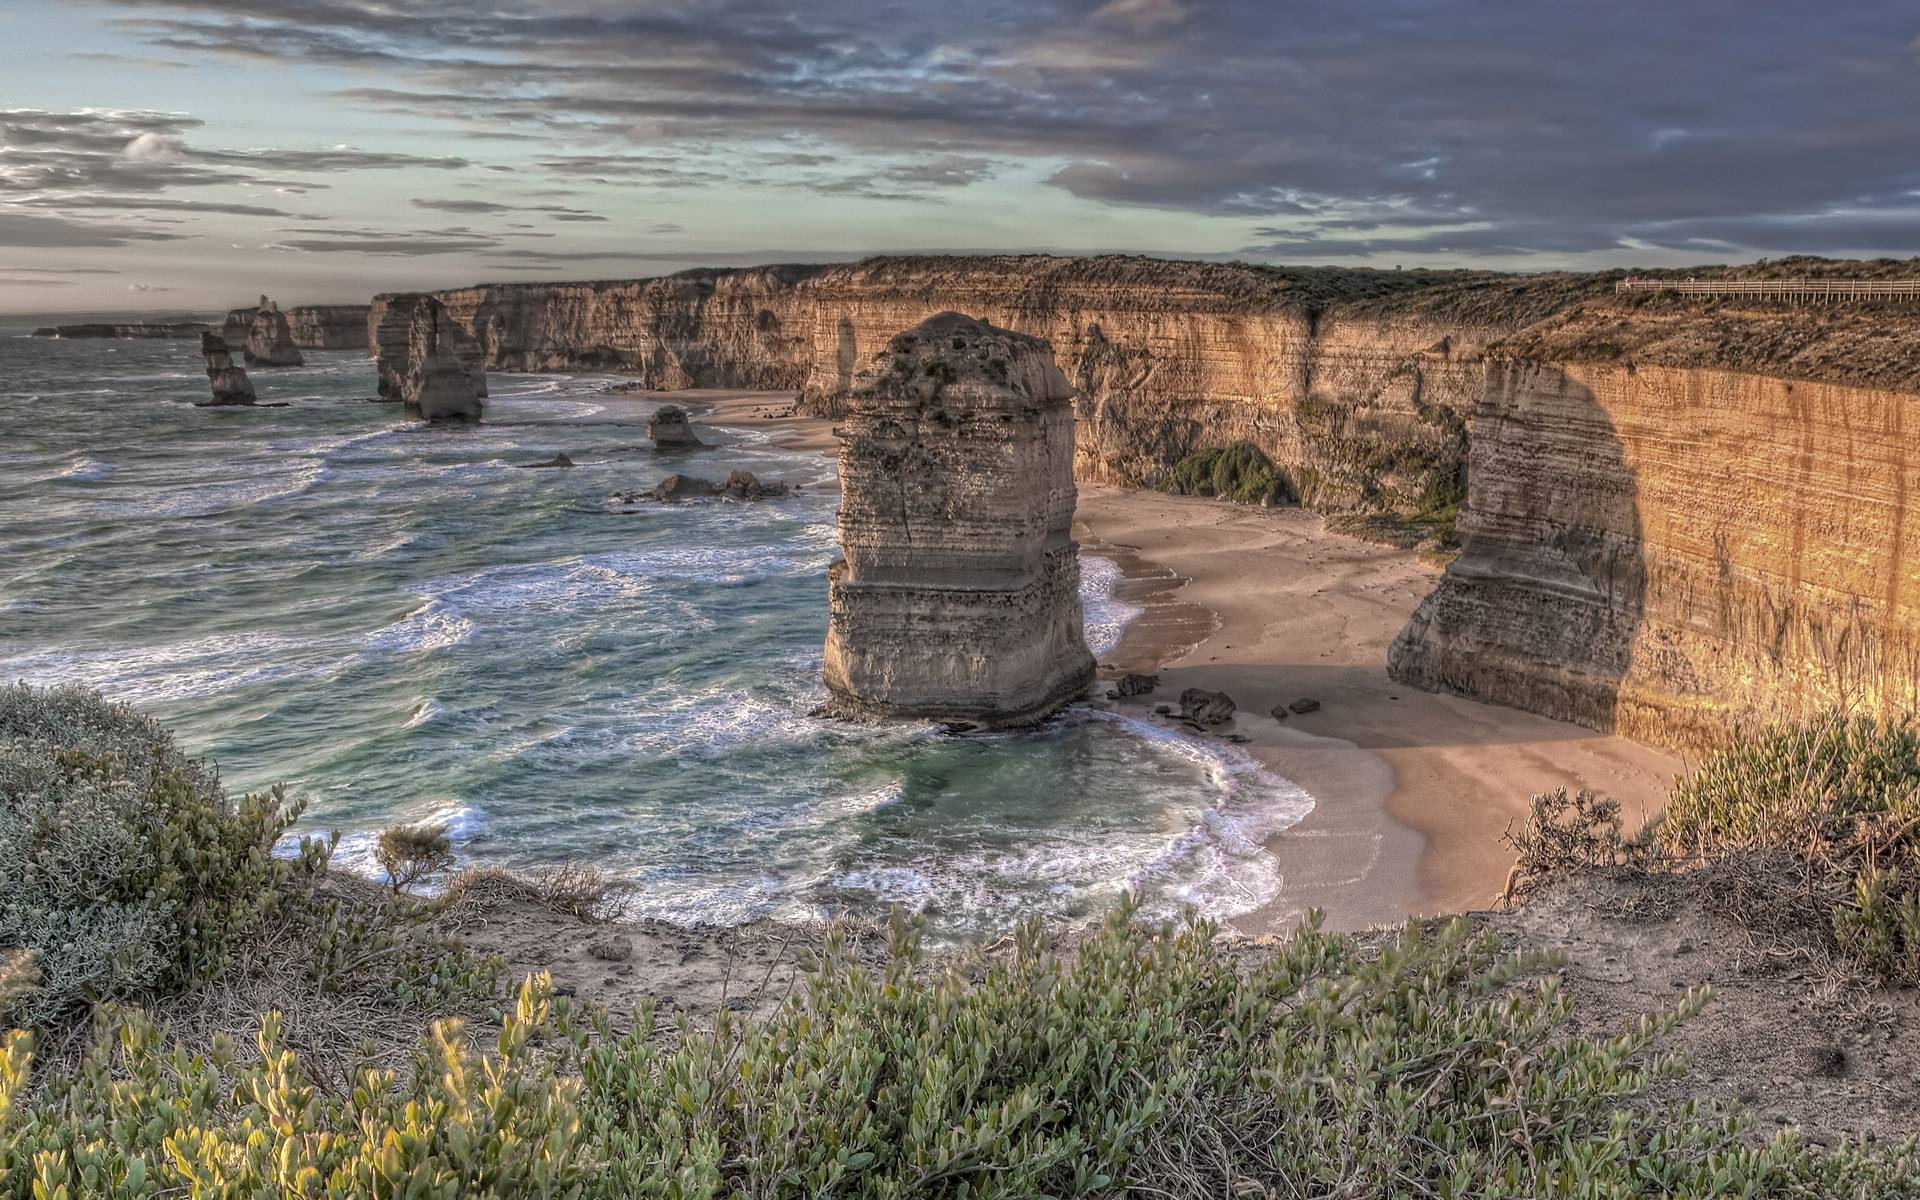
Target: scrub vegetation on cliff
1145, 1060
1805, 834
1239, 472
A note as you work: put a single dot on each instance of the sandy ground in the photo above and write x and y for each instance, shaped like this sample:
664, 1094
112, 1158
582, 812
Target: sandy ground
1412, 791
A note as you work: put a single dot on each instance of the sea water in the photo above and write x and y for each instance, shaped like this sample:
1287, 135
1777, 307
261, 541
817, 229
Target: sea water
402, 623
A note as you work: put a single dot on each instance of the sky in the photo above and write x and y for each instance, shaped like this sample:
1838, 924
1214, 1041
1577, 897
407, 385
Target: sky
163, 155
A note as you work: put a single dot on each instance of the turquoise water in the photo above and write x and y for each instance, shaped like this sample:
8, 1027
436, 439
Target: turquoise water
402, 624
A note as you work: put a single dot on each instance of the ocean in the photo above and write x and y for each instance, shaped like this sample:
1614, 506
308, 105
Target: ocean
402, 624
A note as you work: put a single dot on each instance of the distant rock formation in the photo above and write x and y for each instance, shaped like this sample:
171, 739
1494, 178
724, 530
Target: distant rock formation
129, 329
311, 326
741, 485
230, 383
330, 326
670, 430
270, 340
958, 598
558, 460
436, 382
393, 321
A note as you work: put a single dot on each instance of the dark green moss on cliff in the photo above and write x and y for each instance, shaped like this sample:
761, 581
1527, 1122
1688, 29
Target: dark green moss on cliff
1240, 472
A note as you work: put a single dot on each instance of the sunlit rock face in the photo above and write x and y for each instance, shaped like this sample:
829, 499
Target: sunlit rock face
1673, 552
270, 339
958, 597
228, 382
392, 320
427, 361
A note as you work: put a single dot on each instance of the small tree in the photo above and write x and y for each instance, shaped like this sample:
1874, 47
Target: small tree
411, 853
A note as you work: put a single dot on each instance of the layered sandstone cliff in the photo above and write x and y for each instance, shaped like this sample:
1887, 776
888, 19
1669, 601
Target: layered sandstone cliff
1672, 551
1355, 382
958, 597
309, 326
331, 326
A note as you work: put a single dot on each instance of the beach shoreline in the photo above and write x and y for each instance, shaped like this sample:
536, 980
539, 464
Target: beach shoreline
1412, 791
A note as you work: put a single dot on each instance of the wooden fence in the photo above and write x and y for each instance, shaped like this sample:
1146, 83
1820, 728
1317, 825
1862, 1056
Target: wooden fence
1823, 290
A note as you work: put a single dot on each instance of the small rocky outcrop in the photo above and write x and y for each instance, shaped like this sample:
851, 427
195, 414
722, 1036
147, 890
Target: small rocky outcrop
435, 381
1203, 707
671, 430
1133, 684
958, 597
741, 485
270, 339
1304, 706
558, 460
229, 382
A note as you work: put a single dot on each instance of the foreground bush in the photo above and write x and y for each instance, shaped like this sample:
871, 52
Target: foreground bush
124, 867
1238, 472
1836, 802
1803, 832
1147, 1063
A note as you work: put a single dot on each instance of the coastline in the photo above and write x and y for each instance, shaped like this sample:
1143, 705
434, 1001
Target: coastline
1412, 790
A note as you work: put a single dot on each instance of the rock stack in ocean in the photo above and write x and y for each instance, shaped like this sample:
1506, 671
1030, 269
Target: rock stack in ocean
270, 339
230, 383
670, 430
436, 381
397, 318
958, 598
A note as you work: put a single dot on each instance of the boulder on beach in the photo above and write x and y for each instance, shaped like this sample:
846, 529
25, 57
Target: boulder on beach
1203, 707
1135, 684
229, 382
1305, 706
671, 430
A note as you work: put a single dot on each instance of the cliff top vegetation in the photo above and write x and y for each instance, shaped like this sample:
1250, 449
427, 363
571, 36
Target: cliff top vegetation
1140, 1060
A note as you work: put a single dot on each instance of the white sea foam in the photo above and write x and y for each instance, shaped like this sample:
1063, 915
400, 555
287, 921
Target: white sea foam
85, 469
435, 625
1106, 614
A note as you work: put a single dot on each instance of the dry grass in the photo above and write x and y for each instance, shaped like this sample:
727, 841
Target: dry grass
571, 889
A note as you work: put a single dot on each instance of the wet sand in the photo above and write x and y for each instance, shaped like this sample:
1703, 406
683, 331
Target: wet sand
1412, 791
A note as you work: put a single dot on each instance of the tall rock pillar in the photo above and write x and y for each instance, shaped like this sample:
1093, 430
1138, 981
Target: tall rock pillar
958, 598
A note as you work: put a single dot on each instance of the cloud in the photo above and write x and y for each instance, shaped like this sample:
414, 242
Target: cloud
149, 287
35, 229
556, 212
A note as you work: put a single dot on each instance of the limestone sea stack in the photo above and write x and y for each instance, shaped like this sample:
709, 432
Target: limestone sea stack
229, 382
392, 324
670, 430
958, 598
437, 382
270, 338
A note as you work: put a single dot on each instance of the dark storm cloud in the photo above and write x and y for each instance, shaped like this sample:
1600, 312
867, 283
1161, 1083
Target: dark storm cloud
35, 229
1442, 127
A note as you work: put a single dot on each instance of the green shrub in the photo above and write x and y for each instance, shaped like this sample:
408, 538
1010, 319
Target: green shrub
1837, 801
123, 865
1240, 472
1148, 1062
412, 853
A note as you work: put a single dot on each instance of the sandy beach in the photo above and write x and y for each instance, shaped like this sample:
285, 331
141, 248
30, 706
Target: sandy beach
1412, 791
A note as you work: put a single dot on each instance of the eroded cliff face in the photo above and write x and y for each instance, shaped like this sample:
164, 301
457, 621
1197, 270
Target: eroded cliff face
958, 598
1362, 403
1670, 552
330, 326
723, 329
